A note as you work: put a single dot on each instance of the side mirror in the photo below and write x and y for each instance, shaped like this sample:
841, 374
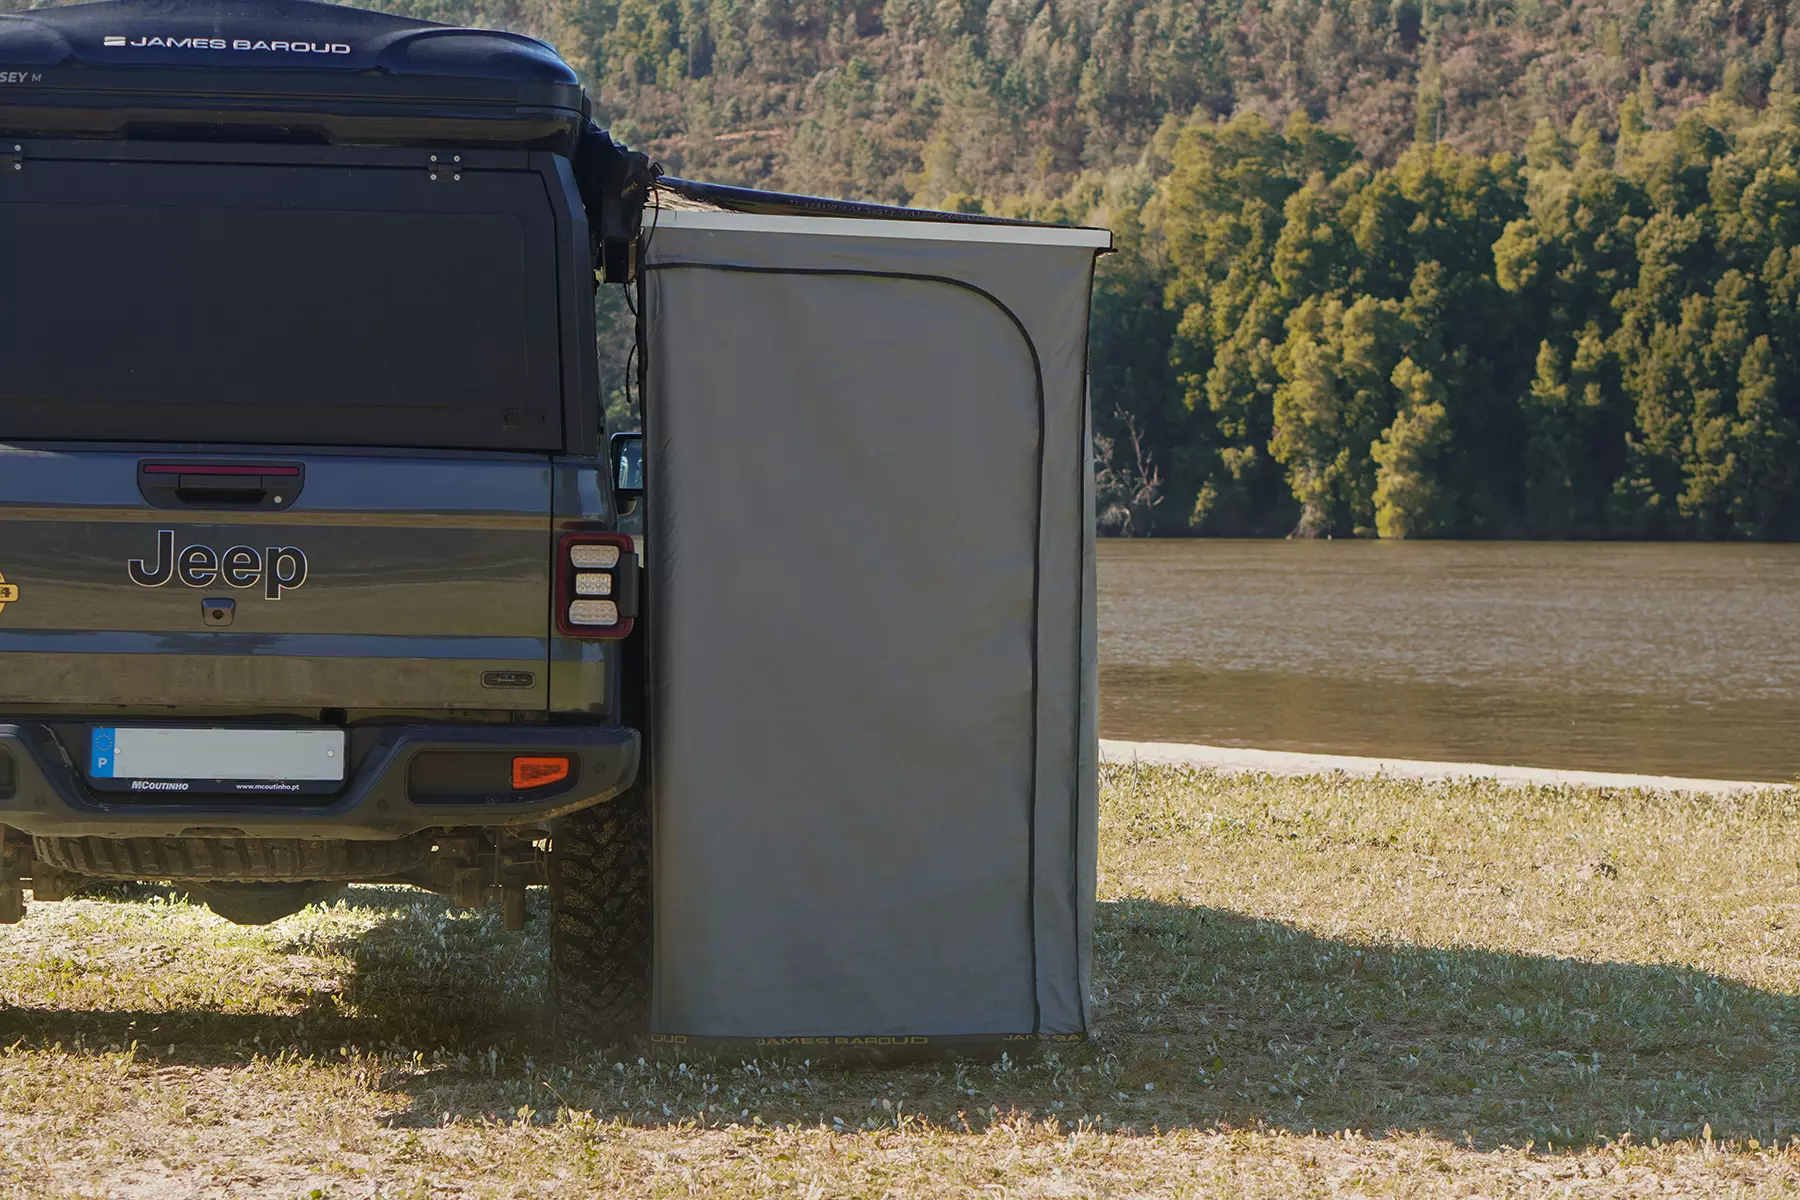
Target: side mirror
627, 469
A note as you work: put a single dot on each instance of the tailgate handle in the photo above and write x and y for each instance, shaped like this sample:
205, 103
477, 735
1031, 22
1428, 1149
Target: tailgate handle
203, 490
220, 485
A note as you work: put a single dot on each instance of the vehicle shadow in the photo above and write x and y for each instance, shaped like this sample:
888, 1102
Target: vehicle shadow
1203, 1017
405, 969
1207, 1017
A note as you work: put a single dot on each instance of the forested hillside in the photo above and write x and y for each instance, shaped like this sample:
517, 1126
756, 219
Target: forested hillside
1594, 340
1395, 267
1404, 269
930, 99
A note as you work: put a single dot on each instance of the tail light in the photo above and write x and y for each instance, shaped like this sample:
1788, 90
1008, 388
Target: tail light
537, 772
596, 585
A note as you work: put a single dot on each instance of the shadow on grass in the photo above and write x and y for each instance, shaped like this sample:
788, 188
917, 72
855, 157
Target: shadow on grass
1202, 1017
409, 971
1247, 1020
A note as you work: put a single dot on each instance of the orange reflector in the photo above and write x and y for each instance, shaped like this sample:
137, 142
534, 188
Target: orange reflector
538, 772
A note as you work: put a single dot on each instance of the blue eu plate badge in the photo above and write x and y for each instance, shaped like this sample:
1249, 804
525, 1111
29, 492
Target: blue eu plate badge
102, 759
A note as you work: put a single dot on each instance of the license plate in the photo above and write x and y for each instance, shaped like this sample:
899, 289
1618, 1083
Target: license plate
135, 758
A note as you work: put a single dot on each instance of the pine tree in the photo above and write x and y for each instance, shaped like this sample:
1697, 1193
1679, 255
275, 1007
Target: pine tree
1764, 449
1411, 500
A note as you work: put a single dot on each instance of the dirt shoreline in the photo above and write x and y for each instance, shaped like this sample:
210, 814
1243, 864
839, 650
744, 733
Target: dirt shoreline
1239, 760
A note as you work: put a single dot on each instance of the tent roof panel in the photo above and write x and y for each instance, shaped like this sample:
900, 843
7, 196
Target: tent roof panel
1027, 235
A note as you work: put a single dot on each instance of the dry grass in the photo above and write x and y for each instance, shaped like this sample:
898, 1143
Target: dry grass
1306, 987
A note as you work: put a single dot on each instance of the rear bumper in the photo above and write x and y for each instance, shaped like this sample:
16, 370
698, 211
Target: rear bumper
47, 795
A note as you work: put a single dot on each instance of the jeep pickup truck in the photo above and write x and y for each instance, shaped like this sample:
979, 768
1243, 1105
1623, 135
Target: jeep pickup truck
310, 569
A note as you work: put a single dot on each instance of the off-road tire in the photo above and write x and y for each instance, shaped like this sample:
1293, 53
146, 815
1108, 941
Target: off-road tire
245, 860
600, 920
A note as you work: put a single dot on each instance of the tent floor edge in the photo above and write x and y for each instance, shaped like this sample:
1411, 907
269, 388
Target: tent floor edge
884, 1048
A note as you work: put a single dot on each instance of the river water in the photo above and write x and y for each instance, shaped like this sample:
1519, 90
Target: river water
1653, 658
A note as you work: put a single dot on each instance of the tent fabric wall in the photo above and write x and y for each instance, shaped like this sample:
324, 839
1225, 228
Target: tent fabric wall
871, 600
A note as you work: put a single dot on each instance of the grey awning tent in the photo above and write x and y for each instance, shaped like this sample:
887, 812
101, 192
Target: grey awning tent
871, 589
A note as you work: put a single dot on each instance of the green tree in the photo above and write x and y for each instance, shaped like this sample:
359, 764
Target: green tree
1410, 498
1334, 400
1573, 452
1765, 449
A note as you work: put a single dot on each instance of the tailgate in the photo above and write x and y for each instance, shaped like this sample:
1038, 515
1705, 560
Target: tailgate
387, 582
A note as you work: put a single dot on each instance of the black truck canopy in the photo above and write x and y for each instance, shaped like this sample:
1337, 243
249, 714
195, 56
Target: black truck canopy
280, 222
280, 70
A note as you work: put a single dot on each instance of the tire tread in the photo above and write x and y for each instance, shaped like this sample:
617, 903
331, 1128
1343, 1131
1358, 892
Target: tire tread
600, 934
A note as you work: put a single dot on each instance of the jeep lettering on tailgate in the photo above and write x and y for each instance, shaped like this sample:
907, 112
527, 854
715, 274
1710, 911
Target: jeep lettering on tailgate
278, 568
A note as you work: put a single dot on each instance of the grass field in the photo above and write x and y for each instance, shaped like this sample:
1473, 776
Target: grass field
1305, 987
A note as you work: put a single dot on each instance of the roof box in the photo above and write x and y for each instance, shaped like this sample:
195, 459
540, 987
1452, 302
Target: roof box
279, 71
